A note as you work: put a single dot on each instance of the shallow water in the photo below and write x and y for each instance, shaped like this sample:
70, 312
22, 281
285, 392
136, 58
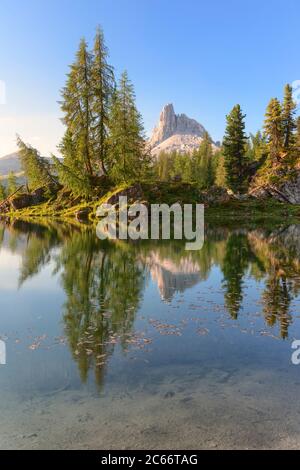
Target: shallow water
146, 345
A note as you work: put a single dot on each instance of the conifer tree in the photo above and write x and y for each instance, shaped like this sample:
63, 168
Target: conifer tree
11, 183
164, 166
288, 117
235, 159
2, 192
257, 146
77, 107
274, 130
220, 170
86, 102
70, 170
204, 171
128, 157
103, 86
36, 168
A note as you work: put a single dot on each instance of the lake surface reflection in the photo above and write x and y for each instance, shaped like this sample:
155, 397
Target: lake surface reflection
146, 345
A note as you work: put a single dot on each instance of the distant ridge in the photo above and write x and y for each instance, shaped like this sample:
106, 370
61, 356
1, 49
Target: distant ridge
10, 163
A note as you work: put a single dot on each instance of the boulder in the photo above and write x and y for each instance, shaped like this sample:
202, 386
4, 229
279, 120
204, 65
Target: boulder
216, 195
133, 193
22, 201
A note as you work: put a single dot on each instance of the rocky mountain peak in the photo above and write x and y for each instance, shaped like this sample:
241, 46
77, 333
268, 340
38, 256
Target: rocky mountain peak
175, 132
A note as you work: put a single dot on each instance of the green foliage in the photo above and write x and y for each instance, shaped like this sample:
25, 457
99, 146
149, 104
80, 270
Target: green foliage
128, 158
2, 192
281, 138
220, 169
181, 167
234, 151
256, 147
274, 129
102, 89
288, 118
76, 105
198, 167
11, 183
163, 166
37, 169
203, 168
77, 183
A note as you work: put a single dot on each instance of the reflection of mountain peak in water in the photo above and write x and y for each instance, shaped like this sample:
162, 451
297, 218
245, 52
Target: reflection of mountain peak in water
171, 276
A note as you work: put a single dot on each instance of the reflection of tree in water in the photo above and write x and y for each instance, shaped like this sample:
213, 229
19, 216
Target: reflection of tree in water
104, 282
235, 264
103, 288
276, 300
278, 252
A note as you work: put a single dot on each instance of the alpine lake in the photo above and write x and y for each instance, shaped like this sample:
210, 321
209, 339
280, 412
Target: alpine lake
134, 345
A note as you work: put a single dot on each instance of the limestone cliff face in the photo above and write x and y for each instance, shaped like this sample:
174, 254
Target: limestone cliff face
175, 132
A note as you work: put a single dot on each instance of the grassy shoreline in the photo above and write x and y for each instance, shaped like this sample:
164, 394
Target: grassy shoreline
231, 211
243, 212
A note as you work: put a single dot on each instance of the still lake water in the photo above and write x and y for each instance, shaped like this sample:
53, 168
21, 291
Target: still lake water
146, 345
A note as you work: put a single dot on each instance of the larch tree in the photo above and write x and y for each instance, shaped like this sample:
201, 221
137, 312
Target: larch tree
103, 86
76, 170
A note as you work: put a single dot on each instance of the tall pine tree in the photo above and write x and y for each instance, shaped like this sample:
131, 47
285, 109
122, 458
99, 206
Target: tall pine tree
274, 130
234, 151
288, 117
128, 157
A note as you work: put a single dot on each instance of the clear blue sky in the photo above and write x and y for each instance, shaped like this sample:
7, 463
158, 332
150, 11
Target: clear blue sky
204, 56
